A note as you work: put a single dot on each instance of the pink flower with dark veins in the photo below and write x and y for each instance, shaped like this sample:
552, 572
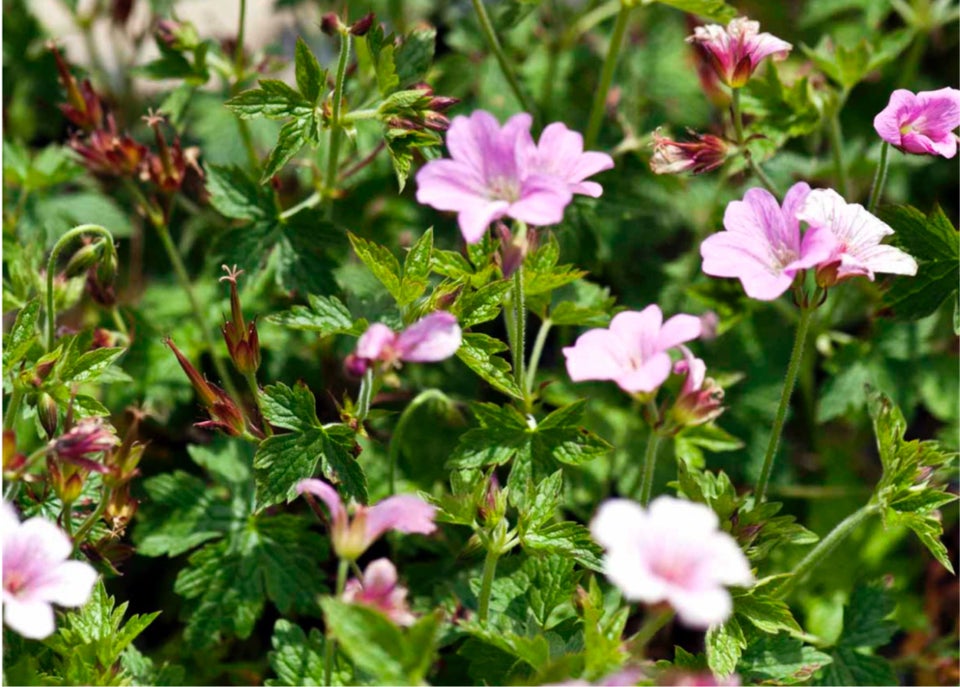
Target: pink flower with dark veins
435, 337
37, 573
379, 589
762, 245
89, 437
633, 351
736, 51
671, 552
559, 152
921, 123
856, 235
351, 536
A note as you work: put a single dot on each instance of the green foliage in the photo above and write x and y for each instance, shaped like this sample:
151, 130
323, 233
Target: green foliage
780, 660
297, 658
848, 66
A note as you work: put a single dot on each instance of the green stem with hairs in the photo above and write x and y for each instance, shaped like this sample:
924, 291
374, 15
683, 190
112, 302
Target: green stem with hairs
741, 144
333, 149
13, 407
486, 26
486, 583
251, 378
879, 177
825, 547
519, 334
649, 465
796, 355
343, 567
92, 519
535, 354
58, 247
606, 76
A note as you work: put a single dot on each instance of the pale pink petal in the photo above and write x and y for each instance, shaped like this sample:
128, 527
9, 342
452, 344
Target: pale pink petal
889, 120
596, 355
726, 254
8, 520
435, 337
792, 202
693, 367
702, 608
47, 541
728, 564
617, 522
68, 584
648, 377
375, 342
449, 185
677, 330
404, 513
767, 45
588, 188
542, 200
326, 493
628, 570
694, 519
819, 246
380, 575
33, 619
639, 331
590, 163
474, 219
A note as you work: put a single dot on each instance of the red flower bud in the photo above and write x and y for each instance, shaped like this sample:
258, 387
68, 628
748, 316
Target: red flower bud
362, 25
707, 153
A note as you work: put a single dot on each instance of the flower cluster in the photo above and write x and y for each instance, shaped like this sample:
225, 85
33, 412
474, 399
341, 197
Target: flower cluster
764, 248
496, 172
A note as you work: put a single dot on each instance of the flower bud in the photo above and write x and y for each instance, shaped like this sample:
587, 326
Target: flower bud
48, 413
707, 153
362, 25
13, 460
66, 480
355, 366
121, 507
330, 24
88, 437
85, 258
177, 35
243, 342
83, 106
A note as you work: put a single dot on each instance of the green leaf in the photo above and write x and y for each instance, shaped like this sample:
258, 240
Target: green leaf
292, 137
416, 270
935, 244
274, 99
850, 667
415, 54
716, 10
311, 79
236, 195
602, 632
553, 585
848, 66
724, 643
327, 316
690, 442
766, 612
290, 408
502, 432
381, 262
482, 305
780, 660
89, 366
297, 658
569, 539
781, 111
22, 335
478, 351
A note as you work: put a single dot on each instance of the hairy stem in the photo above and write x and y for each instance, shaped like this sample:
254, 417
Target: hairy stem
796, 355
519, 333
333, 149
649, 467
606, 77
741, 143
486, 26
535, 354
13, 407
330, 645
251, 378
92, 519
486, 583
879, 177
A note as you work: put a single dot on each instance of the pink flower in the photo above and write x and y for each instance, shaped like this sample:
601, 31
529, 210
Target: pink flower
633, 351
736, 51
88, 437
672, 157
701, 398
921, 123
560, 153
856, 235
37, 574
671, 552
433, 338
379, 590
762, 246
352, 536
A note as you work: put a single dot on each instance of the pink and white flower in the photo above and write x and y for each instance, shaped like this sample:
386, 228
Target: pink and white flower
379, 589
431, 339
671, 552
37, 573
856, 249
762, 245
633, 351
921, 123
736, 51
351, 536
701, 398
496, 172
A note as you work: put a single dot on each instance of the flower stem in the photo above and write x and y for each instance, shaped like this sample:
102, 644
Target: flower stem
806, 313
238, 54
486, 26
251, 378
365, 395
13, 407
879, 177
825, 547
62, 243
333, 149
649, 466
92, 519
655, 621
606, 76
538, 345
741, 143
342, 569
836, 147
519, 333
486, 584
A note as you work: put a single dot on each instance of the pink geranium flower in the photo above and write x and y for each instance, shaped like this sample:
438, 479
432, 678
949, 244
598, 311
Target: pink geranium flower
380, 590
735, 52
352, 536
671, 552
701, 398
856, 234
762, 245
559, 153
705, 154
633, 351
37, 573
921, 123
433, 338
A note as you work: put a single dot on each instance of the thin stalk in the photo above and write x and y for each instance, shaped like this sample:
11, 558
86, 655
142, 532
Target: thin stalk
519, 332
91, 520
486, 583
365, 395
486, 26
836, 146
66, 514
535, 354
879, 177
118, 322
251, 378
310, 201
606, 76
342, 569
13, 407
796, 355
649, 467
333, 149
652, 624
825, 547
181, 271
52, 263
741, 143
238, 55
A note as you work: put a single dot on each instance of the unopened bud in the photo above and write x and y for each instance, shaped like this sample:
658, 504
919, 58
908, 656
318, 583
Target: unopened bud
442, 103
83, 259
330, 24
362, 25
355, 366
48, 413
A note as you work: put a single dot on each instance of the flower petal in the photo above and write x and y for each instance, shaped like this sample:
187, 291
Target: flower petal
33, 619
68, 584
403, 513
375, 342
434, 337
328, 494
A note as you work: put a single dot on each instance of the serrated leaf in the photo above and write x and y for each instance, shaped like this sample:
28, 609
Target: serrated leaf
478, 351
780, 660
416, 269
290, 408
381, 262
767, 613
236, 195
716, 10
724, 644
327, 316
297, 658
292, 137
273, 99
373, 643
22, 335
89, 366
482, 305
311, 79
569, 539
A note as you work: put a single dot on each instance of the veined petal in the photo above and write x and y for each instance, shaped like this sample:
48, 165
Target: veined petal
434, 337
328, 494
403, 513
543, 199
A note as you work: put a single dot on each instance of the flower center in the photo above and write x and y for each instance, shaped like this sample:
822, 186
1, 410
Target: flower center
14, 581
674, 569
503, 188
